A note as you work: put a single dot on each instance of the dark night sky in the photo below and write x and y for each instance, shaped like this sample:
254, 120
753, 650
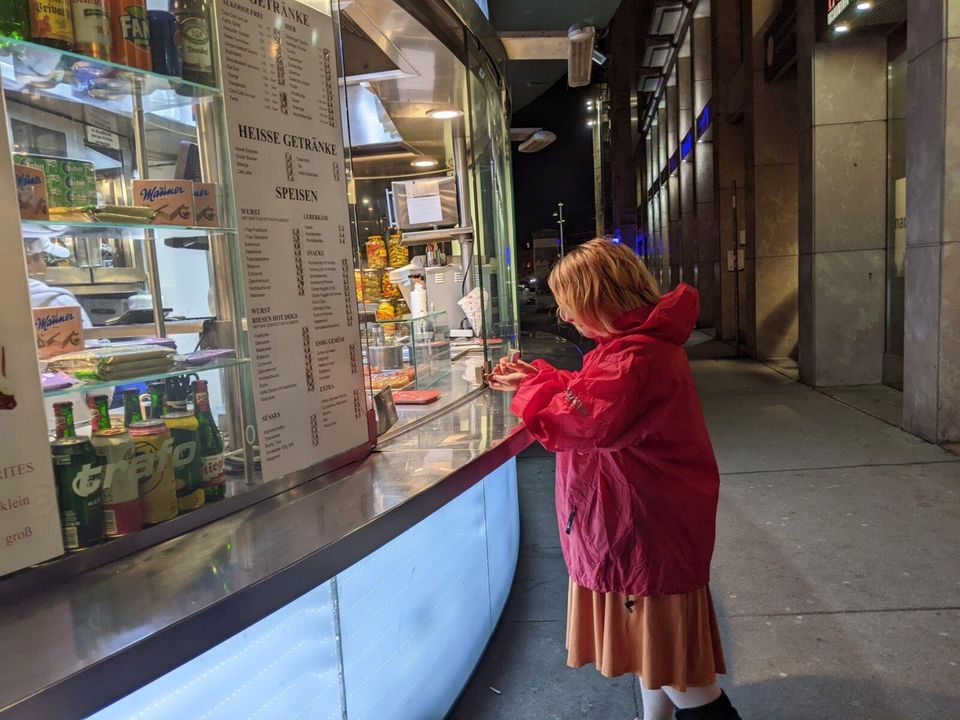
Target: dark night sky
561, 172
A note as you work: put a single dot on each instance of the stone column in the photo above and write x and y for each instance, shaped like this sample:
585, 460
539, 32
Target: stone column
623, 172
707, 268
688, 199
673, 184
775, 152
842, 224
931, 371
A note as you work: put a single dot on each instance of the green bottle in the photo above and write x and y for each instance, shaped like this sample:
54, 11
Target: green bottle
211, 444
15, 19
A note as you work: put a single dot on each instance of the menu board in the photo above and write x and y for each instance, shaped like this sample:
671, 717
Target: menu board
29, 518
283, 113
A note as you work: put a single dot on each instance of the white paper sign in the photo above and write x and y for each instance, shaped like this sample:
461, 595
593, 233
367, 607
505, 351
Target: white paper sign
283, 114
29, 516
423, 202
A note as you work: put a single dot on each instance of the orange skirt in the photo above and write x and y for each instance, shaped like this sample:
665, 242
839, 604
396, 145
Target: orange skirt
670, 640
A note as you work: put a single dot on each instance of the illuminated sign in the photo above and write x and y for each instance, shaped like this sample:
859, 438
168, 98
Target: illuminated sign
835, 9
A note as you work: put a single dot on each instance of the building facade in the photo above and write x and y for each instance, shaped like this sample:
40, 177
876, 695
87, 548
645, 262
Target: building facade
770, 152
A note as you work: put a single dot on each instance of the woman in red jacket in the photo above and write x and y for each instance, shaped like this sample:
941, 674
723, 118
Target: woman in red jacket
637, 482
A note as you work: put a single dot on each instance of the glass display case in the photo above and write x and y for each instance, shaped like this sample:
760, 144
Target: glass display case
133, 275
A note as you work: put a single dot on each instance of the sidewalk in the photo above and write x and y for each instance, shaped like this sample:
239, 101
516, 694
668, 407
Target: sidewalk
836, 573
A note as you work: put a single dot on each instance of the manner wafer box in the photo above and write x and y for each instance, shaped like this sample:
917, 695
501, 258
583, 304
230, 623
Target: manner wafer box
205, 204
58, 330
171, 199
31, 193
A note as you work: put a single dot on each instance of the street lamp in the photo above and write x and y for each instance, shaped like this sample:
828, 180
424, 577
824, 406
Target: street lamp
560, 221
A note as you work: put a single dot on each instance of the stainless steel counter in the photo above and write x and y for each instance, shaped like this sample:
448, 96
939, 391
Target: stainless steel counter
78, 647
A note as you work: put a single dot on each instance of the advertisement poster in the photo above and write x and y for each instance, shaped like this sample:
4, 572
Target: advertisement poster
29, 518
283, 113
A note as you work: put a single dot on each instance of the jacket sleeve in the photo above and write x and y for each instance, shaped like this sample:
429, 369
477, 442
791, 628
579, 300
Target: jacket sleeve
582, 411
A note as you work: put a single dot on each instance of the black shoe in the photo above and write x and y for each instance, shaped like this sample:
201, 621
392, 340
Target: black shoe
719, 709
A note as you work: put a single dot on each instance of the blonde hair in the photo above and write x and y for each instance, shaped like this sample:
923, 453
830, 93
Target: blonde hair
599, 281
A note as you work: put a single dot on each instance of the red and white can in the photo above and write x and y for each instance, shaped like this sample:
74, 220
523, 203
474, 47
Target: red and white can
122, 511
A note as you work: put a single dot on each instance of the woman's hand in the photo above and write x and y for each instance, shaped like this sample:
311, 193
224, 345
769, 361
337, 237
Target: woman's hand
508, 374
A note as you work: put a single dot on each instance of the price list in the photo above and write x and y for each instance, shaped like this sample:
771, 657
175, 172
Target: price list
283, 116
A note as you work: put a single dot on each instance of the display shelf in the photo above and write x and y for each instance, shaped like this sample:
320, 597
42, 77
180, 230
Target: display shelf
95, 385
132, 231
39, 70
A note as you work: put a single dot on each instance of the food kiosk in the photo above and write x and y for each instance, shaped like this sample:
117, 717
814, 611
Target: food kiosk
250, 466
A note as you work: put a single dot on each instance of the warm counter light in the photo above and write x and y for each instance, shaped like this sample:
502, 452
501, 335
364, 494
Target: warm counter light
444, 113
425, 163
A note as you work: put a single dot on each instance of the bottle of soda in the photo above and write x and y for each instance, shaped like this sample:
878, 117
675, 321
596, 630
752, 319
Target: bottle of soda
131, 407
15, 19
131, 33
79, 476
122, 512
51, 23
91, 28
211, 444
193, 21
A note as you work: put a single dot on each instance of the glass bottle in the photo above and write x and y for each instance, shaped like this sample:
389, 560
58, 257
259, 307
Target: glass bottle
91, 28
193, 22
211, 444
51, 23
131, 407
15, 19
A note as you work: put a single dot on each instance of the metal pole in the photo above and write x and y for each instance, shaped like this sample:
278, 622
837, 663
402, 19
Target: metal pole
736, 266
149, 241
560, 222
466, 217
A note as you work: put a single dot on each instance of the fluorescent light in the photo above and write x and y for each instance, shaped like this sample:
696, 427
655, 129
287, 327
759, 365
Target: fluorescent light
425, 163
444, 113
537, 142
842, 28
580, 55
864, 6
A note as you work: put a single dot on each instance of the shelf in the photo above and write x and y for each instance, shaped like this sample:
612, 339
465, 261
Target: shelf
93, 386
39, 70
423, 237
132, 231
115, 332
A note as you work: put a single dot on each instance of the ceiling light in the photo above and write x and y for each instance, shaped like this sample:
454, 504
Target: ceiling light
842, 28
590, 123
424, 163
444, 113
580, 55
864, 5
537, 142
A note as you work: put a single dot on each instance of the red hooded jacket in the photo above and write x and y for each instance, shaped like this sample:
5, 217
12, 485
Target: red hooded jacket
637, 481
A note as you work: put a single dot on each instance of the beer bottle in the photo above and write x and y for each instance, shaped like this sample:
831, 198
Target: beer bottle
63, 416
193, 22
158, 400
211, 444
15, 19
131, 407
51, 23
100, 419
91, 28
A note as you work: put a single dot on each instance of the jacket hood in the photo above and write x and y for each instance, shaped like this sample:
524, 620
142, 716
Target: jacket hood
672, 319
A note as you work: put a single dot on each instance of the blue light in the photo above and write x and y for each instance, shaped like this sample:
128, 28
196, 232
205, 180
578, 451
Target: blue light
703, 122
686, 147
